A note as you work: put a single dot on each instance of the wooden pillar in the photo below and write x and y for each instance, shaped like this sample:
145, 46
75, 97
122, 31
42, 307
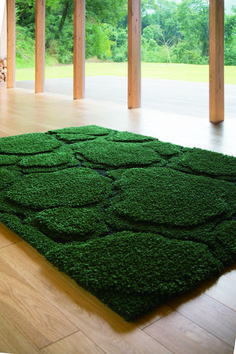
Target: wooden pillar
11, 43
79, 49
39, 46
134, 53
216, 61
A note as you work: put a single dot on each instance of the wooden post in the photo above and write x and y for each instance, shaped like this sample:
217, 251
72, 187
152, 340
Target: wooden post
39, 46
79, 49
134, 53
11, 43
216, 61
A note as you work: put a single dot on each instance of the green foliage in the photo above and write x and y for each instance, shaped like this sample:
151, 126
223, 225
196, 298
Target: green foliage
184, 53
172, 32
25, 47
106, 11
25, 14
98, 43
193, 17
230, 38
230, 54
65, 44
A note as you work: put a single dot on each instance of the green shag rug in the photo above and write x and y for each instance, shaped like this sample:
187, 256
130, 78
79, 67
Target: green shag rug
133, 220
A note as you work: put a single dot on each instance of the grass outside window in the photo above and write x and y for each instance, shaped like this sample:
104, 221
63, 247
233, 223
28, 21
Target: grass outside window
180, 72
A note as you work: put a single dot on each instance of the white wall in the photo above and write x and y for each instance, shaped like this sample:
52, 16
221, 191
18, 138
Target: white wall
3, 30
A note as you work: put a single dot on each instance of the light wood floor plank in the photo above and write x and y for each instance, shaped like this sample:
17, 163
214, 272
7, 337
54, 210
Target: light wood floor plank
12, 340
7, 237
223, 290
209, 314
181, 335
77, 343
47, 111
153, 316
40, 320
230, 272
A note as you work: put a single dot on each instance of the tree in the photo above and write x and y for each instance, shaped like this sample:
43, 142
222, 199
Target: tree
230, 38
160, 25
162, 13
171, 31
193, 18
59, 25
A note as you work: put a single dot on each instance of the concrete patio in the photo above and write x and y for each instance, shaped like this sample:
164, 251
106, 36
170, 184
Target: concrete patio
165, 96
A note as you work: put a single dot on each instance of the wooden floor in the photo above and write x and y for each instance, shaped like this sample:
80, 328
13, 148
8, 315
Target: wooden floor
44, 311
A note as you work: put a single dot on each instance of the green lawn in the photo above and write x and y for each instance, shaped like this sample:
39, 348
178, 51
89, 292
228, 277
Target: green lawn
182, 72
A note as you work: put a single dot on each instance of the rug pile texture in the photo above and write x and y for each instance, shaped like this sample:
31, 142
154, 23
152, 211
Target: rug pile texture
133, 220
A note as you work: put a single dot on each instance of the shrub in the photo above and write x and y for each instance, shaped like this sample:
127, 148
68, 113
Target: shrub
25, 47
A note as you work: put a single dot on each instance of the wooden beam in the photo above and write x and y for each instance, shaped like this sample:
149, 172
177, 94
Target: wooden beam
11, 43
216, 61
39, 46
134, 53
79, 49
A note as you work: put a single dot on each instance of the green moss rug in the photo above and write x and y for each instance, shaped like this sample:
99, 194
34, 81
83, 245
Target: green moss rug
132, 219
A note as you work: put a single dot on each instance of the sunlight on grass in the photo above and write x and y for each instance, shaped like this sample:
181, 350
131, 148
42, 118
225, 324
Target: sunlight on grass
180, 72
